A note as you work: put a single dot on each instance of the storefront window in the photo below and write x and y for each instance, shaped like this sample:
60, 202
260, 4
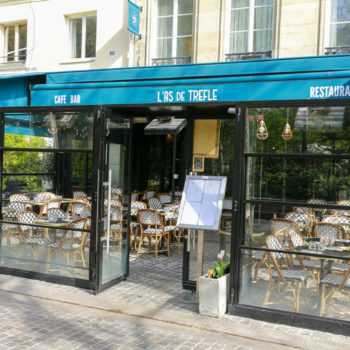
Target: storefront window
46, 165
297, 219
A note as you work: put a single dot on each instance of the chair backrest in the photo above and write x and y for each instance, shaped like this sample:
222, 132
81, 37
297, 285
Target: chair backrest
227, 203
153, 203
117, 191
343, 221
17, 206
329, 230
306, 210
78, 208
344, 202
114, 201
134, 196
273, 242
26, 217
50, 204
45, 196
278, 224
164, 198
116, 213
345, 278
79, 194
295, 238
18, 197
73, 236
316, 201
55, 213
138, 205
149, 217
302, 219
146, 195
82, 199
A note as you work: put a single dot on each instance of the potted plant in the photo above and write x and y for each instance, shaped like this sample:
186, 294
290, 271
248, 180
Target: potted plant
214, 288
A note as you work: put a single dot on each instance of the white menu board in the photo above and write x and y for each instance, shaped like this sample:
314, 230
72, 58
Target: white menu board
201, 202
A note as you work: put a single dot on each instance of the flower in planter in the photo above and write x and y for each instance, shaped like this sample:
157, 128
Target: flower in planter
221, 268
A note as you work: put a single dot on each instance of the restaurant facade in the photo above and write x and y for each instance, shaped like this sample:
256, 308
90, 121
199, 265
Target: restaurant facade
279, 129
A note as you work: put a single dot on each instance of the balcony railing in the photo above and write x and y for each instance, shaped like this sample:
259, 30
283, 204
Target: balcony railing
171, 60
337, 50
248, 56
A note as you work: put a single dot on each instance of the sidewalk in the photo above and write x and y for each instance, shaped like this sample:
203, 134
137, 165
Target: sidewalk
153, 296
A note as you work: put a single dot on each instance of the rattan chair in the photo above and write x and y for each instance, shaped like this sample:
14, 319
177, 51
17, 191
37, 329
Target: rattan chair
329, 230
134, 196
12, 230
290, 278
305, 210
226, 215
70, 243
115, 228
344, 212
152, 228
343, 221
135, 206
50, 204
79, 194
78, 208
304, 221
331, 284
45, 196
164, 198
155, 204
147, 194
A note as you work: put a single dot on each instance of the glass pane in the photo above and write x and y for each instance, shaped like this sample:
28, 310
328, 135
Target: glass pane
184, 47
20, 162
53, 250
340, 11
184, 25
239, 3
239, 42
264, 2
185, 6
114, 240
343, 34
165, 27
165, 7
239, 20
262, 40
264, 280
298, 179
22, 41
314, 129
263, 17
164, 48
10, 36
53, 130
76, 39
90, 49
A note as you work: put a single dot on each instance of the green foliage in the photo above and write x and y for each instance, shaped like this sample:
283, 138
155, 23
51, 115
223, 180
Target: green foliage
221, 268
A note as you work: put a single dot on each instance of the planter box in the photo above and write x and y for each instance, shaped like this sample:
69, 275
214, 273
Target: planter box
213, 295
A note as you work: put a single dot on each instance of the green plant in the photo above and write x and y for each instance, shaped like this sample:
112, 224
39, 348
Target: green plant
221, 268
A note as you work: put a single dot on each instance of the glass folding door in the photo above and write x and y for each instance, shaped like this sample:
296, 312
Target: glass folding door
113, 200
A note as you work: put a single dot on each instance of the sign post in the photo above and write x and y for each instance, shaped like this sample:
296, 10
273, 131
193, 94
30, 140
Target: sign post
200, 209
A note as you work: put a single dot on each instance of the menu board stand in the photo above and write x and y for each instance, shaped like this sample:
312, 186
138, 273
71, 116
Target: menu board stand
200, 209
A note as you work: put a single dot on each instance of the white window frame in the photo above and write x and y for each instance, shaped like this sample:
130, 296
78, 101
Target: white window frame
83, 36
250, 45
174, 36
327, 36
16, 50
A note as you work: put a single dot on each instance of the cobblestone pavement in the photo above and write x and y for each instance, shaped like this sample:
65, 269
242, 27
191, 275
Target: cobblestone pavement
148, 310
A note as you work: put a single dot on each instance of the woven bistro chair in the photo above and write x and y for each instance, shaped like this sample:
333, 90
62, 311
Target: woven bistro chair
79, 193
114, 201
152, 228
290, 278
344, 212
226, 215
70, 243
18, 197
312, 265
343, 221
134, 196
155, 204
77, 208
305, 210
329, 230
318, 201
304, 221
147, 194
164, 198
116, 226
330, 285
12, 230
45, 196
135, 206
50, 204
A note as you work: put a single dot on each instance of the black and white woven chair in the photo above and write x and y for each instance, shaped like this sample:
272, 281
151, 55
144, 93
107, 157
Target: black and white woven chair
146, 195
343, 221
304, 221
330, 285
152, 228
290, 278
155, 204
9, 229
44, 196
329, 230
344, 212
164, 198
79, 194
135, 206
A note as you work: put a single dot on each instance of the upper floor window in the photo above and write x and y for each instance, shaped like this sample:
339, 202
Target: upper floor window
173, 33
15, 42
82, 36
339, 24
251, 26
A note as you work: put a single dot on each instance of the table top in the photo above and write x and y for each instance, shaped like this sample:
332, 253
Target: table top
59, 223
33, 202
